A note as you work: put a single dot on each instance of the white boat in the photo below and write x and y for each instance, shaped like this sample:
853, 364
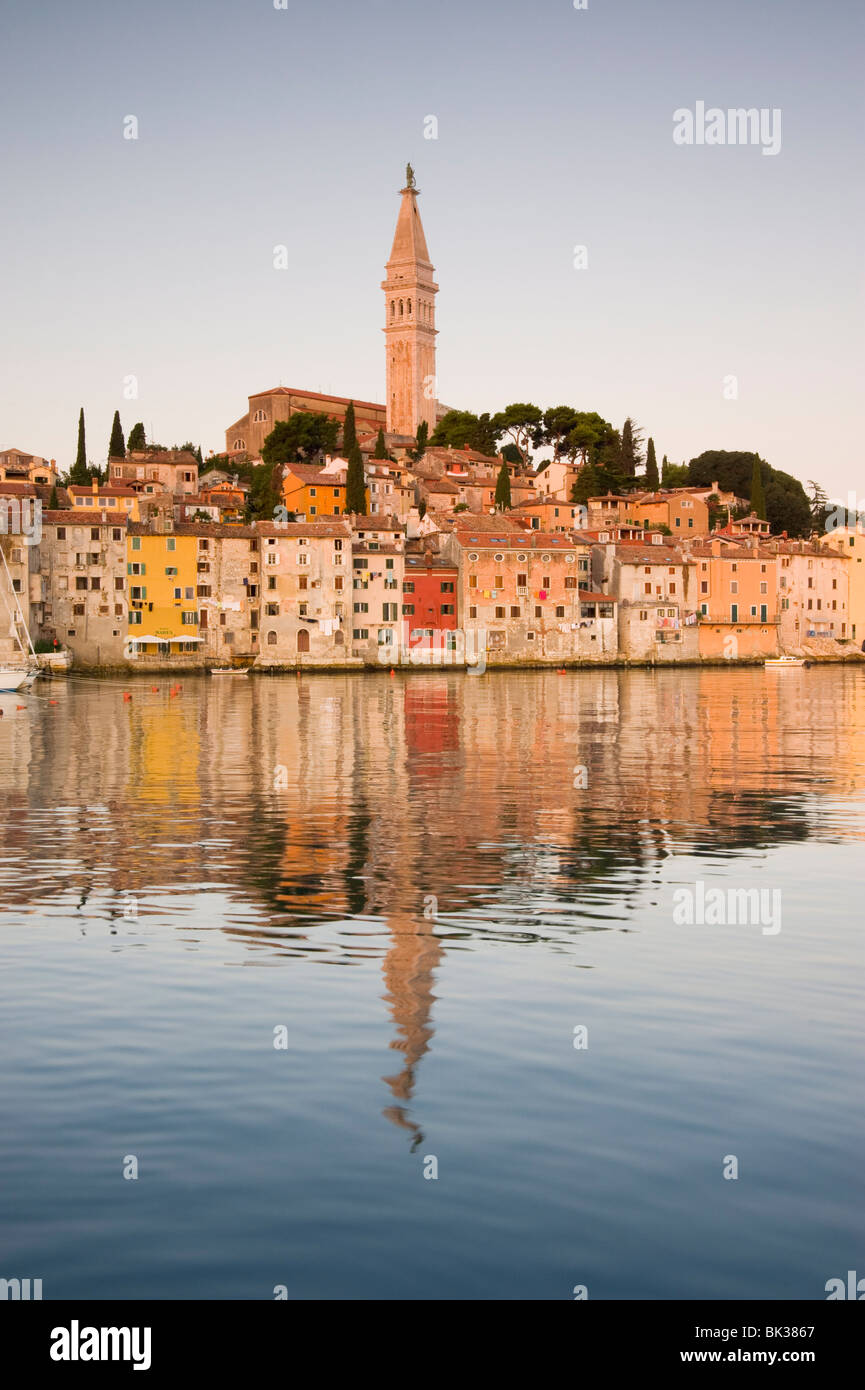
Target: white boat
229, 671
782, 661
12, 678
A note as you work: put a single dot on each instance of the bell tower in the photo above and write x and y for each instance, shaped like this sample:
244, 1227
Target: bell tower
410, 331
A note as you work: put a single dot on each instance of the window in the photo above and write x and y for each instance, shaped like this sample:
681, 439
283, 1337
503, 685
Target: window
81, 581
515, 610
647, 588
499, 582
61, 533
500, 612
407, 608
271, 581
473, 612
447, 587
361, 608
170, 571
189, 619
78, 609
118, 583
360, 634
734, 586
116, 533
389, 612
272, 610
571, 582
560, 612
449, 608
170, 543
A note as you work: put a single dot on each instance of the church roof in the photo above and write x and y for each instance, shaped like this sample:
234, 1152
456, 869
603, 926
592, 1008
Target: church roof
409, 242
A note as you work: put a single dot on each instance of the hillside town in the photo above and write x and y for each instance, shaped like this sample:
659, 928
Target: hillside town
380, 537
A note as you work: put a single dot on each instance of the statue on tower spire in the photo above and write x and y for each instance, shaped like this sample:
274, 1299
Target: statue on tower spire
409, 177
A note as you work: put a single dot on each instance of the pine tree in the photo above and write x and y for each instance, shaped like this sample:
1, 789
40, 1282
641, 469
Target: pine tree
116, 446
758, 500
380, 446
54, 500
651, 467
198, 457
80, 473
503, 489
136, 438
349, 432
355, 484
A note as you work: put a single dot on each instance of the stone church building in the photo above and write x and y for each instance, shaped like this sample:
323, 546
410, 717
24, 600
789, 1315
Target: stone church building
410, 367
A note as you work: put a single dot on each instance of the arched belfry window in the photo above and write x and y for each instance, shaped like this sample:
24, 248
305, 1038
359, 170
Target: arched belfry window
409, 308
392, 308
400, 308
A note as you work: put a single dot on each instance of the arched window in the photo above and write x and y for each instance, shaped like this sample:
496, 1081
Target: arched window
238, 444
338, 639
400, 308
409, 308
303, 640
393, 308
271, 638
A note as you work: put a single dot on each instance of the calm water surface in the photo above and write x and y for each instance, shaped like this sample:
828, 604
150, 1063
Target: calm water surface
407, 877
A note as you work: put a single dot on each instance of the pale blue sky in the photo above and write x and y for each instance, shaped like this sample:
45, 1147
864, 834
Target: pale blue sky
260, 126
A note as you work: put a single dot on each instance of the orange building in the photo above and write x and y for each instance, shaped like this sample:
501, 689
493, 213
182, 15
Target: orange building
736, 593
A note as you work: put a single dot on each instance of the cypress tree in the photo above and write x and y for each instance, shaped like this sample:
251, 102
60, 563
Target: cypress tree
116, 446
355, 484
54, 501
758, 500
349, 432
80, 473
380, 447
503, 489
136, 438
651, 466
422, 437
630, 448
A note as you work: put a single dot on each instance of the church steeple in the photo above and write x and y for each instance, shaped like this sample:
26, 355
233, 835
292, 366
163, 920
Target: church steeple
410, 331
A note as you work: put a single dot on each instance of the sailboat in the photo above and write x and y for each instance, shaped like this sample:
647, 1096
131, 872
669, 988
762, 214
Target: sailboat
23, 669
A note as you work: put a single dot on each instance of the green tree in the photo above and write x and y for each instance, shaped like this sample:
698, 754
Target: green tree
79, 474
380, 451
116, 446
422, 436
820, 506
632, 448
304, 438
758, 497
355, 483
265, 491
674, 474
651, 477
349, 431
137, 439
523, 423
54, 501
588, 484
511, 454
503, 489
459, 428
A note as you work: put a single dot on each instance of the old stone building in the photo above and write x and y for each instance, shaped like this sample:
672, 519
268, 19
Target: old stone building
306, 595
268, 408
83, 579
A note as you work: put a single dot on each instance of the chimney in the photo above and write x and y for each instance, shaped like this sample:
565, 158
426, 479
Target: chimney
95, 486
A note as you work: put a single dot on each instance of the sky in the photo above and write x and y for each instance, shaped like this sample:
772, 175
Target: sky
718, 302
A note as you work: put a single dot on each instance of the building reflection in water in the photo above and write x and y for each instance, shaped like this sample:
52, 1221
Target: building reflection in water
330, 810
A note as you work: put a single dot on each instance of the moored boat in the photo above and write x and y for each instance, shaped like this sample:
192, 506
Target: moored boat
783, 661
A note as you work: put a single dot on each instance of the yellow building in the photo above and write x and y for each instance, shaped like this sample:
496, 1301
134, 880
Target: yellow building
162, 581
850, 541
